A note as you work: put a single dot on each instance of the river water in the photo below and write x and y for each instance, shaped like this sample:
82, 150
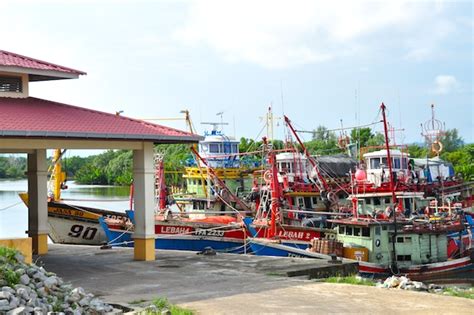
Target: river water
14, 214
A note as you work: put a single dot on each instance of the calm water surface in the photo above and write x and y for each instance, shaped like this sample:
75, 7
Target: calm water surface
14, 220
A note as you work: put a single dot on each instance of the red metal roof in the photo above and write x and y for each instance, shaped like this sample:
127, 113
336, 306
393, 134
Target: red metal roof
10, 59
34, 117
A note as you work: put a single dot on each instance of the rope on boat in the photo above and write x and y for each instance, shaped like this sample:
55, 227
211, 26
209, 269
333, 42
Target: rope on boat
121, 243
11, 206
123, 233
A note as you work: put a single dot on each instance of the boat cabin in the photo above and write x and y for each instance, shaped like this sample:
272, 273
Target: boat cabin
412, 246
293, 166
370, 204
219, 150
377, 166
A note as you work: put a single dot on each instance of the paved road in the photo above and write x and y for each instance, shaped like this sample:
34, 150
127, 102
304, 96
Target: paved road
325, 298
231, 284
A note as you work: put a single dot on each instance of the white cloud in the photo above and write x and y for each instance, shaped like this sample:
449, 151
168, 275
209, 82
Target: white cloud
280, 34
444, 84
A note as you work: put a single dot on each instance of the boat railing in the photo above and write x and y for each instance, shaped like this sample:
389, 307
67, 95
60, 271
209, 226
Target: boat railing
317, 212
211, 212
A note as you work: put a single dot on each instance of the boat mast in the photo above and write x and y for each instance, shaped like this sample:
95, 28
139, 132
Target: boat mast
57, 176
394, 198
275, 189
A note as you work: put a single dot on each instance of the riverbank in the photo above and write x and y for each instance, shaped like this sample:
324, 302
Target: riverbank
229, 284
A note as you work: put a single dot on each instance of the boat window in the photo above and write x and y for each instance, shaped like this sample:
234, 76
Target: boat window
396, 163
214, 147
356, 231
314, 200
366, 231
349, 230
404, 163
387, 200
384, 228
384, 161
376, 201
399, 239
307, 203
235, 148
369, 201
404, 257
408, 239
374, 163
342, 229
300, 202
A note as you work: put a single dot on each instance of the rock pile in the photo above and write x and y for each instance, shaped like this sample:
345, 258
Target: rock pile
405, 283
30, 289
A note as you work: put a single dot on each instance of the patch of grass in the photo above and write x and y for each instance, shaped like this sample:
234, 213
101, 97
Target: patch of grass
467, 293
134, 302
161, 304
356, 280
8, 253
10, 276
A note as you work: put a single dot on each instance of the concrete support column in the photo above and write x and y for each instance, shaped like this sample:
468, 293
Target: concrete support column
38, 228
144, 196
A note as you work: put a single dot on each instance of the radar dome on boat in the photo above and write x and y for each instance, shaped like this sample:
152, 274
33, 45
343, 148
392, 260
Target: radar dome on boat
360, 175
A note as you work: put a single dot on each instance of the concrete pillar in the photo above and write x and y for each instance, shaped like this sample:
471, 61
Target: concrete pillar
144, 196
38, 228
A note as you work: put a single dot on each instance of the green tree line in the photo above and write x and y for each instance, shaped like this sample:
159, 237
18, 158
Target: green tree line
12, 167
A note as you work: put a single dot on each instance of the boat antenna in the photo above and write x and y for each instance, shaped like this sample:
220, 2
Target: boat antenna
394, 198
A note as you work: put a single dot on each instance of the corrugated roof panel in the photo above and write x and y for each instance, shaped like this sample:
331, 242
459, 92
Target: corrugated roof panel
10, 59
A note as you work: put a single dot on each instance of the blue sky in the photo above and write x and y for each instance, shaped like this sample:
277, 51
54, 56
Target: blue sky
154, 58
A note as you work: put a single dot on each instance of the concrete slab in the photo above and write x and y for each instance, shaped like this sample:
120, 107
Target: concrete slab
229, 283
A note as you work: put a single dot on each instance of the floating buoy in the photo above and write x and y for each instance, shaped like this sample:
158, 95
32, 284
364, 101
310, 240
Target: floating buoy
437, 147
360, 175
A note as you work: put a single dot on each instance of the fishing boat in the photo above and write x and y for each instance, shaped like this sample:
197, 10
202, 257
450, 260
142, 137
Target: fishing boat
70, 223
221, 233
416, 249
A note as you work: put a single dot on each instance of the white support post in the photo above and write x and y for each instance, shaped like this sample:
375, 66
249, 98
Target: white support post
143, 180
38, 228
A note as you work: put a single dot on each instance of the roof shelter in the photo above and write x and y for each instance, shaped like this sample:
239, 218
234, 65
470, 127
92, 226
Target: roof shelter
32, 125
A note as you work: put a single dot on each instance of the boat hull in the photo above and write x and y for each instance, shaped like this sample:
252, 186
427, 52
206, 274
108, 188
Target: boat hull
190, 237
64, 230
424, 272
447, 269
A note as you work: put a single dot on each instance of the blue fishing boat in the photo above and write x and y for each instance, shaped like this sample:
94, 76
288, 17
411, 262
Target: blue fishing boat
224, 234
